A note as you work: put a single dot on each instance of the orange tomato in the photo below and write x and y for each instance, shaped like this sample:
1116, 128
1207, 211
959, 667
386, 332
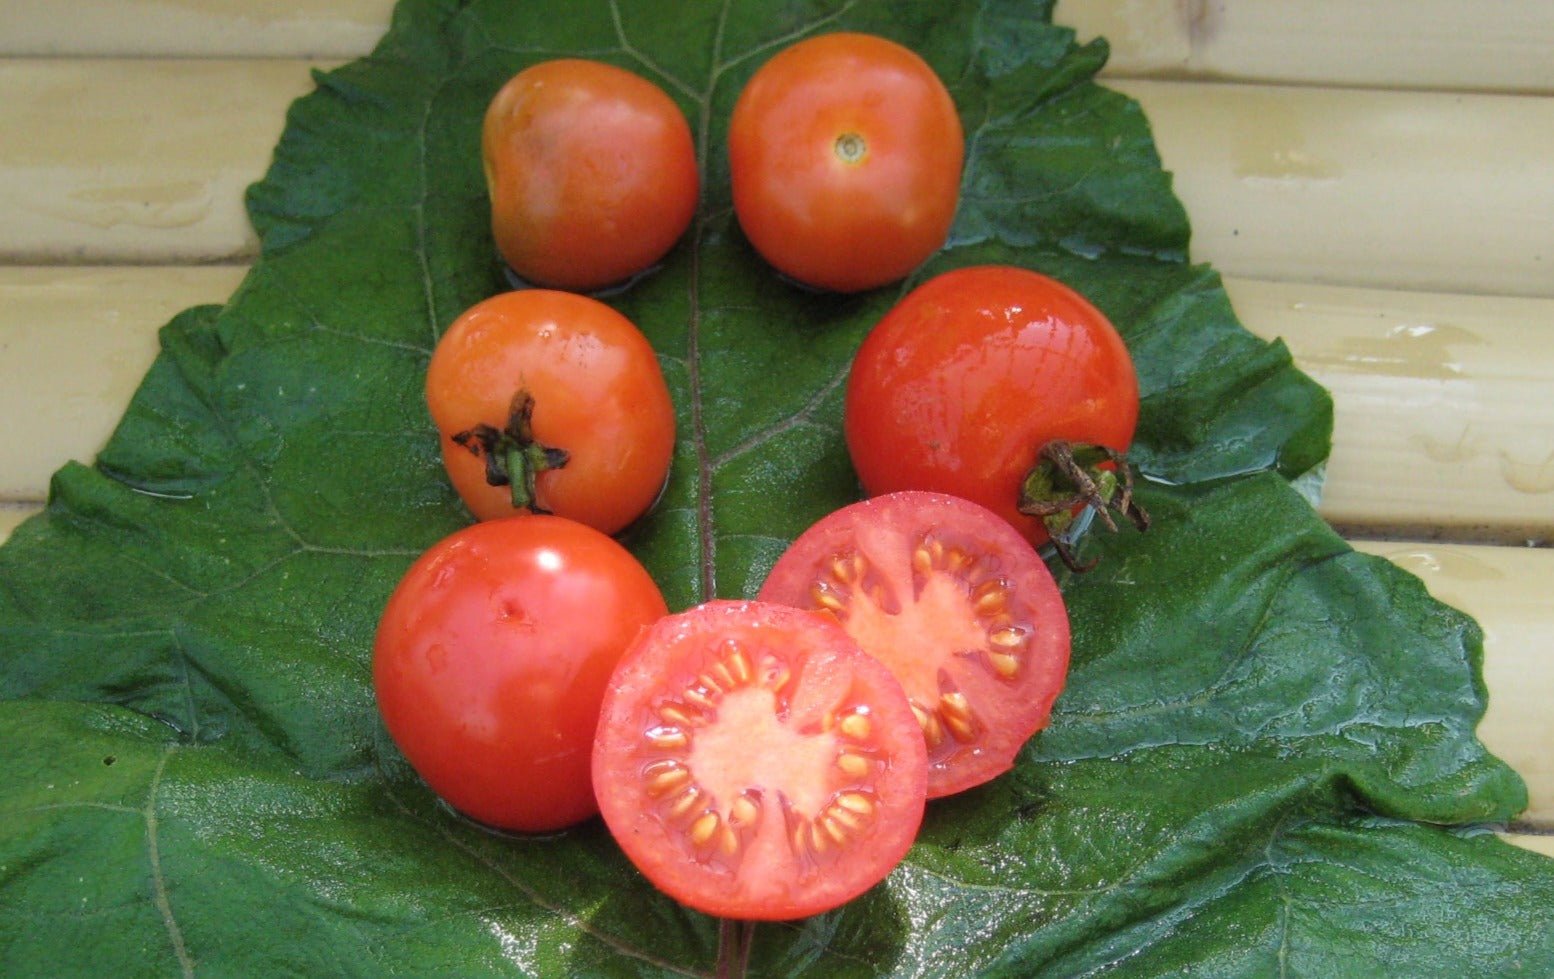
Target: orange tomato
591, 171
564, 397
845, 153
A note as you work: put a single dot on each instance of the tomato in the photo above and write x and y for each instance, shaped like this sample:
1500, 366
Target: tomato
755, 764
963, 384
552, 402
491, 659
957, 604
845, 153
591, 171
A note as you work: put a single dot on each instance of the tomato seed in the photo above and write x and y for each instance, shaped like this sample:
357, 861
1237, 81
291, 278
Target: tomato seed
705, 826
745, 810
738, 663
682, 805
1008, 637
955, 710
664, 777
825, 598
922, 559
990, 597
676, 714
853, 764
856, 726
668, 738
1006, 665
847, 568
834, 829
856, 802
728, 842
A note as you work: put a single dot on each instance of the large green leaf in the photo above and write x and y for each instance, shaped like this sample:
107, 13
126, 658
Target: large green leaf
1264, 761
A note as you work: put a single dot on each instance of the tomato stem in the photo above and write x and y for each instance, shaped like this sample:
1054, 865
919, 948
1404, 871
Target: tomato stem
734, 940
514, 457
1071, 475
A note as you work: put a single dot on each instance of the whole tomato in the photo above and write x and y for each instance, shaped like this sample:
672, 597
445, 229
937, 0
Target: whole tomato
591, 171
845, 153
1001, 386
550, 401
491, 660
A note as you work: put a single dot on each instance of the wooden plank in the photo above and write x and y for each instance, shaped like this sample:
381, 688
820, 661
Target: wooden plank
1428, 389
208, 29
1444, 44
136, 160
76, 343
1408, 190
1444, 423
1507, 590
146, 161
1537, 843
1382, 43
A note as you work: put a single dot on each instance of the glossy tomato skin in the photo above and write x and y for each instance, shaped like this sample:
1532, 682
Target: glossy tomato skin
591, 172
956, 604
960, 384
598, 393
491, 658
754, 763
845, 152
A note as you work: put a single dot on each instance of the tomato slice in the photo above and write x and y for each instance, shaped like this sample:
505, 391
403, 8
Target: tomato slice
754, 763
958, 605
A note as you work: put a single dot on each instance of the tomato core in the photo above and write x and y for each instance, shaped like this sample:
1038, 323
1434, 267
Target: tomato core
851, 148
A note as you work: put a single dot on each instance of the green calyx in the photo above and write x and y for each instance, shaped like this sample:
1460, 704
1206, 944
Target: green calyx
514, 457
1068, 478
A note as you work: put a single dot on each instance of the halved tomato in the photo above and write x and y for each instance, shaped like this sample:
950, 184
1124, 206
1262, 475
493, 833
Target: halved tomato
958, 605
754, 763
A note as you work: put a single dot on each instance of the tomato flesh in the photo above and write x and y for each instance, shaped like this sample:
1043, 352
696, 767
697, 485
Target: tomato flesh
755, 764
958, 606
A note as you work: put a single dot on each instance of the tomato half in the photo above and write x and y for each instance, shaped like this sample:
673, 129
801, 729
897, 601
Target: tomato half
554, 402
845, 154
962, 384
958, 606
491, 659
755, 764
591, 171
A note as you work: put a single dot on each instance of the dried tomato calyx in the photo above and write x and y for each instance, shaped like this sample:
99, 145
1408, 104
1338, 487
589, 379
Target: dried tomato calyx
1070, 476
514, 457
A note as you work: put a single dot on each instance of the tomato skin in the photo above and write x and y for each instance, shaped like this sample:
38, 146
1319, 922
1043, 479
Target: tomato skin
735, 738
958, 387
491, 659
591, 171
845, 152
956, 604
598, 394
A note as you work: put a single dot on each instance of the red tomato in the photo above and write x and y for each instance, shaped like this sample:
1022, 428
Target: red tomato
961, 385
845, 153
755, 764
491, 659
554, 402
958, 606
591, 171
